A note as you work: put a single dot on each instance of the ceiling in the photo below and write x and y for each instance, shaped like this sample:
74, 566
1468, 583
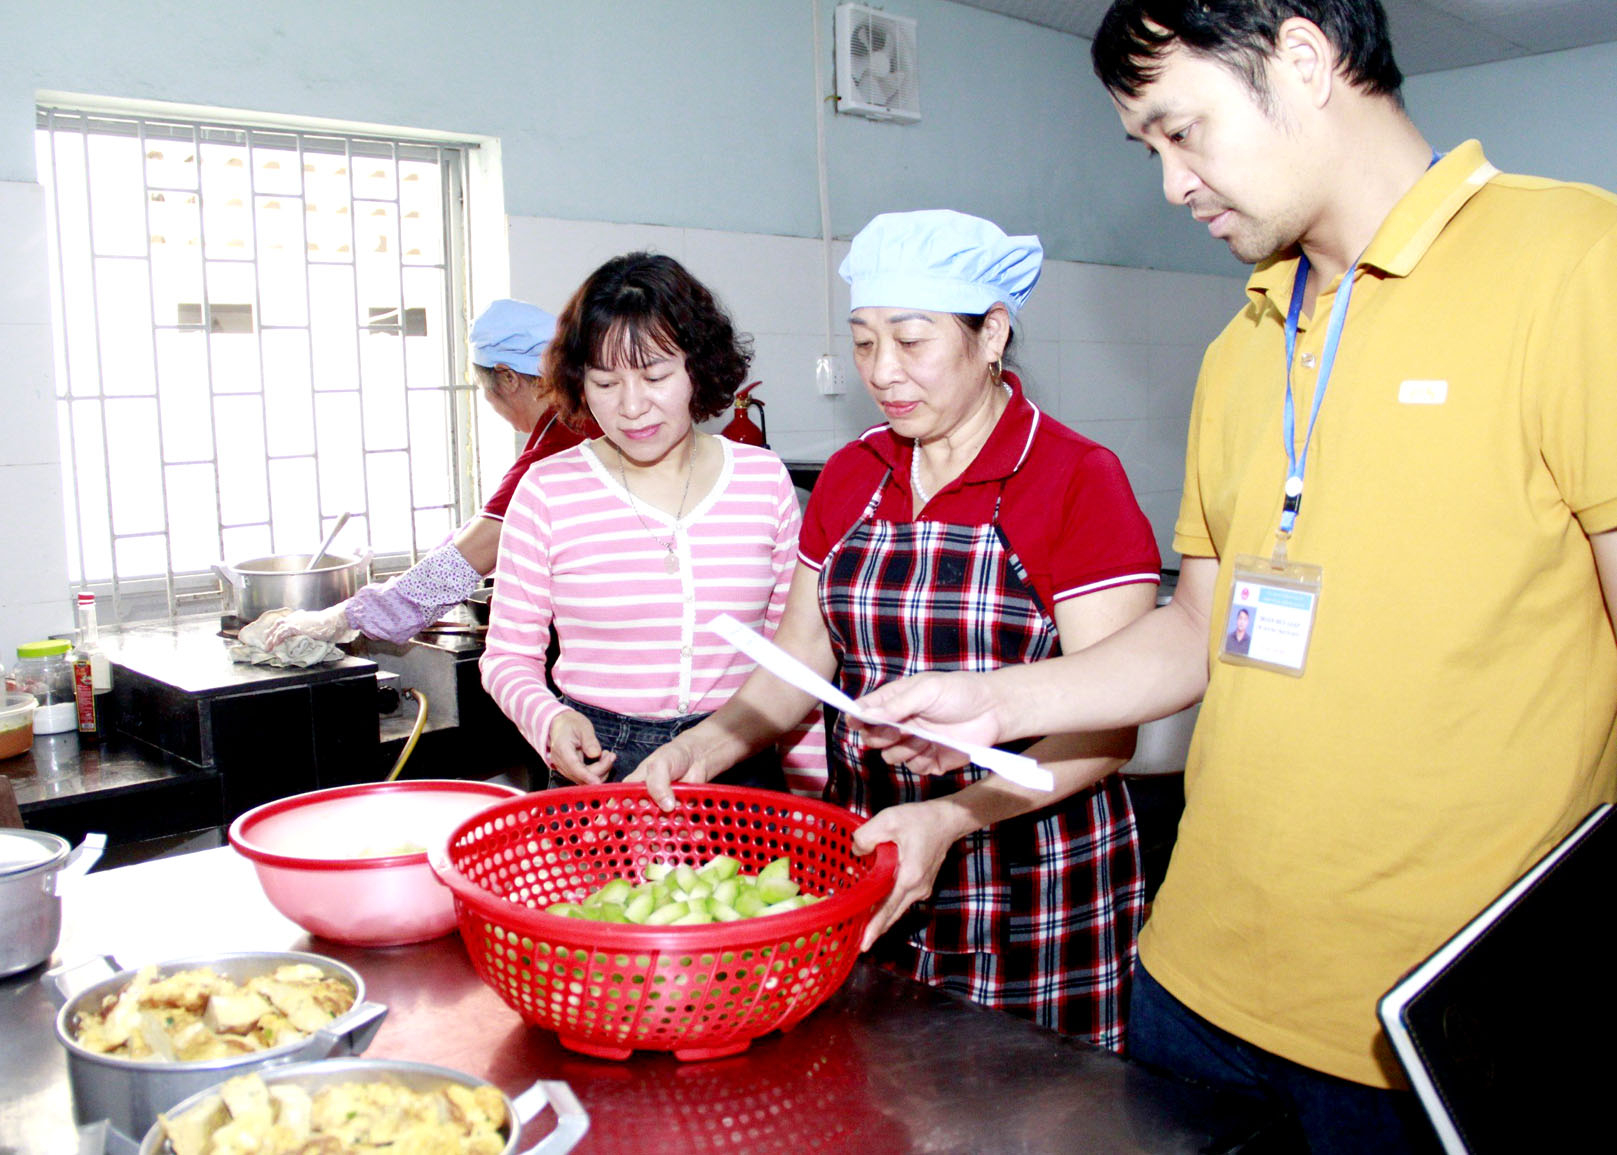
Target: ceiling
1427, 35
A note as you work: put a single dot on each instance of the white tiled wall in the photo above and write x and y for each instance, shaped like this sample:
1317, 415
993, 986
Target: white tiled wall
1112, 352
33, 552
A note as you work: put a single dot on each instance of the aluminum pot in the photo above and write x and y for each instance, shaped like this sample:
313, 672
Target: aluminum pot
32, 864
571, 1120
129, 1093
254, 587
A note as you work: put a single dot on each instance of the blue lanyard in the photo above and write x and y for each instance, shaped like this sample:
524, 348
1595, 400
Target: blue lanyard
1296, 463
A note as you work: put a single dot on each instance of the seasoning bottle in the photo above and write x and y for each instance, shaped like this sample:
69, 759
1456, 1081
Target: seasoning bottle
92, 676
43, 670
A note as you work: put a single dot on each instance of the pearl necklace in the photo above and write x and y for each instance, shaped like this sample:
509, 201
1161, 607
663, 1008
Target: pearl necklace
921, 495
670, 559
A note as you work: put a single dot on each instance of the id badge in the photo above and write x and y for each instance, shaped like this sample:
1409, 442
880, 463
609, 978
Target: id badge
1271, 614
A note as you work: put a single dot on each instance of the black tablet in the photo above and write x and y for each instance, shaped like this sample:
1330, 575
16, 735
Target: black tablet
1508, 1032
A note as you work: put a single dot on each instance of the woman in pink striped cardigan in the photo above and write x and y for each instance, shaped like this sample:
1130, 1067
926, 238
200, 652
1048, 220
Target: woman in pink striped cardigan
628, 545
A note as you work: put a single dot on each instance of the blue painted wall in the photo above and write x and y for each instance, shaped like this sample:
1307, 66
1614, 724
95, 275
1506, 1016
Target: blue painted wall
701, 112
678, 112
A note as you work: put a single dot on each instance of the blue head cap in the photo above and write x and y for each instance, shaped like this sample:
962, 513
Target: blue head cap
941, 261
511, 333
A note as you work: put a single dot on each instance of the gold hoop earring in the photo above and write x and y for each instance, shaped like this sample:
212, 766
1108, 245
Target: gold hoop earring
998, 371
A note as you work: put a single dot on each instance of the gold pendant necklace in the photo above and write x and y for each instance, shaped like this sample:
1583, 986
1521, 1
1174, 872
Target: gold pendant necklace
670, 558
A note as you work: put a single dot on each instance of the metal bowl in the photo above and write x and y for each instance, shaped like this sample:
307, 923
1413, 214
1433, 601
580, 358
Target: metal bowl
253, 588
129, 1093
30, 910
478, 603
571, 1120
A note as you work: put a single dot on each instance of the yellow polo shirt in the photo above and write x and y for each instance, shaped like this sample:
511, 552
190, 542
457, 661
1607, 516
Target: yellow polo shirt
1457, 713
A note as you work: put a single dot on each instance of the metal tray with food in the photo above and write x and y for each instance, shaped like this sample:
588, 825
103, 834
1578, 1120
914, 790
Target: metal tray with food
364, 1105
125, 1044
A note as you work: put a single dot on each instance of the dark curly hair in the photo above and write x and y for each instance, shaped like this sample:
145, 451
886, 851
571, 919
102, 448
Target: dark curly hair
1240, 34
629, 311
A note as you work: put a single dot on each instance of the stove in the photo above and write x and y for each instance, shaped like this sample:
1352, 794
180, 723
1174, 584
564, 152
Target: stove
266, 731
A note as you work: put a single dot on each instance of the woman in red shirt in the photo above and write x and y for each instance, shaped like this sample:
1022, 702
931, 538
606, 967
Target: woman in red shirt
506, 342
969, 532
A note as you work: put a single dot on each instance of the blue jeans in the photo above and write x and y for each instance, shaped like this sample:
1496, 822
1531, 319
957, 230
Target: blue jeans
633, 739
1338, 1116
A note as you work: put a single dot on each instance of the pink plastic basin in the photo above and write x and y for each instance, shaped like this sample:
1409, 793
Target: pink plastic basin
340, 862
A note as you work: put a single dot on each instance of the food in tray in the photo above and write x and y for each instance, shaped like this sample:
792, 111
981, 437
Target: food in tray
249, 1115
686, 896
195, 1015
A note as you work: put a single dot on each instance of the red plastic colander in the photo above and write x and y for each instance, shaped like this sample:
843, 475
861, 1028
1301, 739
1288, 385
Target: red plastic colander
608, 989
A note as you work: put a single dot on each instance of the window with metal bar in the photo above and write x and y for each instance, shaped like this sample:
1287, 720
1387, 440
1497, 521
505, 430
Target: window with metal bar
257, 330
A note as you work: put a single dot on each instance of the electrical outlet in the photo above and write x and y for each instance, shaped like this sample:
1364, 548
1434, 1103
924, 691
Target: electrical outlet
829, 375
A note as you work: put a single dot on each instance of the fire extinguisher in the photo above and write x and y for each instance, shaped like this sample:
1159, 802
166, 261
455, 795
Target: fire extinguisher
741, 427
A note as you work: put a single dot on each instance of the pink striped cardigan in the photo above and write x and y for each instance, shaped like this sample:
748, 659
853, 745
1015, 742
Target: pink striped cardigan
634, 637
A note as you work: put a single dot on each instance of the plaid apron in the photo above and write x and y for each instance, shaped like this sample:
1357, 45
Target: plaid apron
1036, 915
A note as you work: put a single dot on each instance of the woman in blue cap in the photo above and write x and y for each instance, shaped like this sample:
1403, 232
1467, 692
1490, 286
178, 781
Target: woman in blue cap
968, 532
507, 340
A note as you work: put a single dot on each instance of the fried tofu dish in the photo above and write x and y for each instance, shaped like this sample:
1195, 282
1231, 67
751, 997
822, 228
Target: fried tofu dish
249, 1117
196, 1015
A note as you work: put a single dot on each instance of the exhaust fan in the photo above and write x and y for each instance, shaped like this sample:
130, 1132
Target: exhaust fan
877, 70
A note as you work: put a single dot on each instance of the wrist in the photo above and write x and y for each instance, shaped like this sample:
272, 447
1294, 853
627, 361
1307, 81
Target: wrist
955, 815
1002, 706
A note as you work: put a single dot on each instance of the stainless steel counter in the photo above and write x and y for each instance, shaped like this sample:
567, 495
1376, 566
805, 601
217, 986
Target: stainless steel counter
887, 1065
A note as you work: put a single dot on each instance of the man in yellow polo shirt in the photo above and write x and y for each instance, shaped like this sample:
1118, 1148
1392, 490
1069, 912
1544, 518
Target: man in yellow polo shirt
1401, 458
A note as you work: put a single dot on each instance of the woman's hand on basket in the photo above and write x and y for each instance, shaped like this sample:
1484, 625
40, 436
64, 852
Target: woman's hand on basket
575, 752
923, 833
669, 763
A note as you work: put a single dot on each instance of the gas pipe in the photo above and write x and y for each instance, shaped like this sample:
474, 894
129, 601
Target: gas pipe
741, 427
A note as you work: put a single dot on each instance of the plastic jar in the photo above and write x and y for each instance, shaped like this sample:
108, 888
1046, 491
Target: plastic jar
45, 671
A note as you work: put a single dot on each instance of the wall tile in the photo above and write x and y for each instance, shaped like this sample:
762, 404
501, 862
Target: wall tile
797, 415
1192, 308
1040, 318
1104, 303
26, 353
1039, 364
31, 528
770, 284
1171, 373
1103, 381
33, 621
25, 287
550, 258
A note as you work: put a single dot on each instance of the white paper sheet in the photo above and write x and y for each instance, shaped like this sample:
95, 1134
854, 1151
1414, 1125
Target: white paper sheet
1016, 768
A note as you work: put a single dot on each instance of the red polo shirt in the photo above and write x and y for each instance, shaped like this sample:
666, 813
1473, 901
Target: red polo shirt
1068, 511
549, 436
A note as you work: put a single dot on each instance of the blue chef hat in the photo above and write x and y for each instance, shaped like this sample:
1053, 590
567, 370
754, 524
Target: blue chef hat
941, 261
511, 333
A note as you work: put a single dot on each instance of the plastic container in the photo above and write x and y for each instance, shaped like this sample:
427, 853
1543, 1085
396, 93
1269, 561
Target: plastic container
17, 724
350, 863
45, 671
701, 992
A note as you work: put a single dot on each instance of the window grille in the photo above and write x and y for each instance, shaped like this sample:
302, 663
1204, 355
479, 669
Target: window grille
257, 329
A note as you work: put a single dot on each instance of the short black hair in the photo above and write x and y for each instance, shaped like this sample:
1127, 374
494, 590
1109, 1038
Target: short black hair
633, 308
1240, 34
